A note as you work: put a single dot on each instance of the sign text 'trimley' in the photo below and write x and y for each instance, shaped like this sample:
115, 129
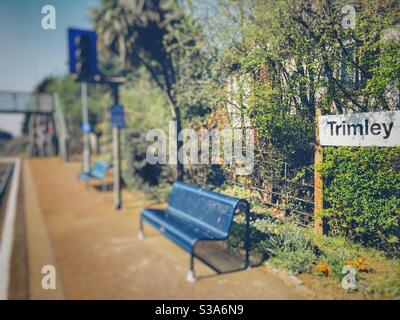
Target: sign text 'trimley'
365, 128
360, 129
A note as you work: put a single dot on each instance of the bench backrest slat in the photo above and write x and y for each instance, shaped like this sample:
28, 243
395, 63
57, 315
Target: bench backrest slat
209, 209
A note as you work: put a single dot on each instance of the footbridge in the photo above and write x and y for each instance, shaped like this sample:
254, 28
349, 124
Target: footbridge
46, 124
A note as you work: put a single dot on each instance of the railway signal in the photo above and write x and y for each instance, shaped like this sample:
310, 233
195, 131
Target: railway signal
83, 54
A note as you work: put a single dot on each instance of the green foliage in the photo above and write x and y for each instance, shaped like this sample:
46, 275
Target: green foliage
146, 108
389, 287
362, 189
244, 193
383, 281
159, 194
299, 250
174, 58
291, 134
291, 250
69, 92
260, 230
139, 173
207, 176
384, 82
335, 252
284, 246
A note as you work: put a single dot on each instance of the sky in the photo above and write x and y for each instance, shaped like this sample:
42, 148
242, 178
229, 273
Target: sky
28, 53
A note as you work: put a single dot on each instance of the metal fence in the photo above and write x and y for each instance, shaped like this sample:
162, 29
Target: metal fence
288, 192
5, 178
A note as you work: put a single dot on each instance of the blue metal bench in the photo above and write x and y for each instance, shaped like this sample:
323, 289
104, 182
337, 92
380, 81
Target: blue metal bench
98, 171
195, 214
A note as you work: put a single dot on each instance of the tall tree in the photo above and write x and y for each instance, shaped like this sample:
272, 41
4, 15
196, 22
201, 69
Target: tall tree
146, 33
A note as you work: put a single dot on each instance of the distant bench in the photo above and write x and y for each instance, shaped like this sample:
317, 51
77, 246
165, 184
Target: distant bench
98, 171
195, 214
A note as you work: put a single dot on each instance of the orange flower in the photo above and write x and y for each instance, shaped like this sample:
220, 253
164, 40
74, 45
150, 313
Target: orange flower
358, 263
364, 268
351, 263
322, 267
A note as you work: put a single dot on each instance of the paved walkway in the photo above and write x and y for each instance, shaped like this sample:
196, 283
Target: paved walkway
97, 253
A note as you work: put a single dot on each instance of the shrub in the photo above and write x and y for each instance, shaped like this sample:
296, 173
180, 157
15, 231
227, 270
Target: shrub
260, 230
284, 245
206, 176
362, 190
159, 194
138, 172
335, 252
291, 250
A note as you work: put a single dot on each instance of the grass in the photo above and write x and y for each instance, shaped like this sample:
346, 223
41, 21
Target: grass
382, 279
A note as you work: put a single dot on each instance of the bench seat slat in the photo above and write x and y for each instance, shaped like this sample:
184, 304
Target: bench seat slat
186, 232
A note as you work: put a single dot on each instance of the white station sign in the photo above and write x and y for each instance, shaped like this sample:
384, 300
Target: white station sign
360, 129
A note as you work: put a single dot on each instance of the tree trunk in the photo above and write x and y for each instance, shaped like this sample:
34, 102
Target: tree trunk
177, 118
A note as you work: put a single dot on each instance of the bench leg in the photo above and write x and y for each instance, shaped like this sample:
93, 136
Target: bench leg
247, 242
246, 263
141, 230
191, 277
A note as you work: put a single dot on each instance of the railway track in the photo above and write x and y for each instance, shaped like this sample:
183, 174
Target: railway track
8, 153
13, 147
4, 181
9, 189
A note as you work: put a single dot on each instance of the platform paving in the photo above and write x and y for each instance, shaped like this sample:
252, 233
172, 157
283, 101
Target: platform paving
97, 254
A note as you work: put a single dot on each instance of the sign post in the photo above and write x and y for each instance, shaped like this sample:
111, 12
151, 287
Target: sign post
85, 129
117, 169
117, 123
318, 183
